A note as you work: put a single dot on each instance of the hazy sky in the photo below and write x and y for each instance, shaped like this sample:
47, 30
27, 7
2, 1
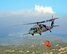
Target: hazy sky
14, 12
58, 6
20, 11
10, 9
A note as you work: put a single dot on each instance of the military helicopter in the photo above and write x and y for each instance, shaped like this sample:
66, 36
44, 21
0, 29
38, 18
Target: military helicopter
38, 28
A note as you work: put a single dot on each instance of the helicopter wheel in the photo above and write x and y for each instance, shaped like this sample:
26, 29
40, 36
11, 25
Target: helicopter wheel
32, 34
40, 33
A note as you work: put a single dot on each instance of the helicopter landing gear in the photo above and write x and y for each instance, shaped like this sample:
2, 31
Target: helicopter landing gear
40, 33
32, 34
50, 30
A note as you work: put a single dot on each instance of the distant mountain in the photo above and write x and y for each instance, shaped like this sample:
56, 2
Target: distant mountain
19, 39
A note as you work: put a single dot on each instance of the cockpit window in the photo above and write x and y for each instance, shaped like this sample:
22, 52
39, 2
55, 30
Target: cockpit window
32, 28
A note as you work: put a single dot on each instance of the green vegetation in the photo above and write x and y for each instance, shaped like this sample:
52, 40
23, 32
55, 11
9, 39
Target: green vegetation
34, 49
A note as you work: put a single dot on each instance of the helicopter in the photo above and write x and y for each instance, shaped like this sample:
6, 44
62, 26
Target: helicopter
38, 28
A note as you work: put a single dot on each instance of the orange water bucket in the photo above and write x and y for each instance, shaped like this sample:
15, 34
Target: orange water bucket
47, 43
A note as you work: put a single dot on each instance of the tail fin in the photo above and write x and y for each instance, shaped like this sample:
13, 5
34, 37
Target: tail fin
52, 23
53, 19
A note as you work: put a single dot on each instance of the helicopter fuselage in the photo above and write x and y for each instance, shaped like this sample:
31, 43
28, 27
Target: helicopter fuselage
39, 29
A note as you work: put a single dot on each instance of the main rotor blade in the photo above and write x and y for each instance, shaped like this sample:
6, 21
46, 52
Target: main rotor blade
51, 19
42, 21
26, 34
35, 22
